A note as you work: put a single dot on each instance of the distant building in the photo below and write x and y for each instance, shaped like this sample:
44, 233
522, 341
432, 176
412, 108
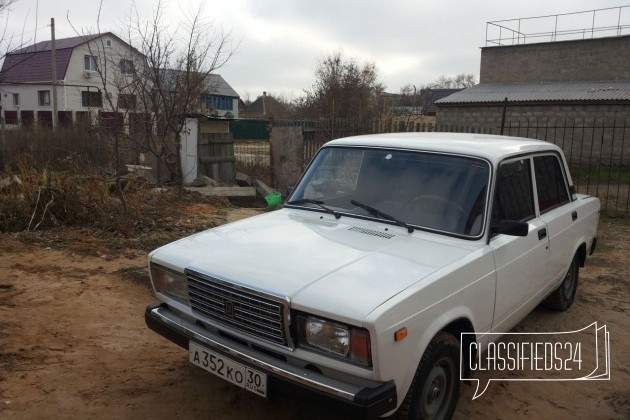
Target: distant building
545, 81
265, 107
26, 82
26, 78
421, 104
219, 99
413, 112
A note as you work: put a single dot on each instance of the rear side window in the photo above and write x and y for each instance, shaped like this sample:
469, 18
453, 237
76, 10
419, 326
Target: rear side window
514, 199
550, 184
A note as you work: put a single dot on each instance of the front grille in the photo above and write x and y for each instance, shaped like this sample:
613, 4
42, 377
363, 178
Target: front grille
244, 310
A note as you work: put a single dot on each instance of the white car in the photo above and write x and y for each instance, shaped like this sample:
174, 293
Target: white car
389, 247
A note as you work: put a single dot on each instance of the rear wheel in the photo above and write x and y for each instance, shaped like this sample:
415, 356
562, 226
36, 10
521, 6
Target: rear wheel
434, 391
562, 298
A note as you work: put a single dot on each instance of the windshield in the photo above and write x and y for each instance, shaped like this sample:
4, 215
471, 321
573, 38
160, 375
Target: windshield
427, 190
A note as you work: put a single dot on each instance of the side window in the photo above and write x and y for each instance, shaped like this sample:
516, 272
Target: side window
514, 199
550, 184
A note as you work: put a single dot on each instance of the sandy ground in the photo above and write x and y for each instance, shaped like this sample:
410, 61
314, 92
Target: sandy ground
73, 343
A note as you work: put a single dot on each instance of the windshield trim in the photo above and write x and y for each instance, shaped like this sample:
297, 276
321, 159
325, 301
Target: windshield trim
389, 222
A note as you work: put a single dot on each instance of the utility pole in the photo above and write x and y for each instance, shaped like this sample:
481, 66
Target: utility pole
54, 73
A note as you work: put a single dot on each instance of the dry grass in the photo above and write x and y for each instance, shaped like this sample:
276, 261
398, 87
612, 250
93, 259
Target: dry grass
72, 194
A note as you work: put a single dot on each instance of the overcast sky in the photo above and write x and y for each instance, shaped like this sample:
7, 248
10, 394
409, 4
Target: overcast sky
280, 41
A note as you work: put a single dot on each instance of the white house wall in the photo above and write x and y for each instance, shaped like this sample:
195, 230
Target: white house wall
69, 89
235, 107
28, 97
109, 59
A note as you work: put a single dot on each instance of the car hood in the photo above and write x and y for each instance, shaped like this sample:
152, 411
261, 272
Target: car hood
345, 267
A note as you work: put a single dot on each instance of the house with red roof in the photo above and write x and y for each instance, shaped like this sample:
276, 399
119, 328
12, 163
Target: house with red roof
90, 71
93, 73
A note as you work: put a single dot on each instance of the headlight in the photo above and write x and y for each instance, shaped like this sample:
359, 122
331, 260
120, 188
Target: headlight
340, 340
170, 283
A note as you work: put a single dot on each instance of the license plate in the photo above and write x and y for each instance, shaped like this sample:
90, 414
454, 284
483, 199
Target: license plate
236, 373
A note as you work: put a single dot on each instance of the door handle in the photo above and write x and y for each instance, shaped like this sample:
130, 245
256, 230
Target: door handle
542, 233
574, 215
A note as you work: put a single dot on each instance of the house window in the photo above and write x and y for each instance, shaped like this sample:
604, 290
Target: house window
108, 42
126, 101
11, 117
223, 103
43, 97
16, 99
91, 99
126, 66
90, 63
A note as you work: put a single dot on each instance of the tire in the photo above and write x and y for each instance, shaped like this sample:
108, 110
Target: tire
562, 298
435, 388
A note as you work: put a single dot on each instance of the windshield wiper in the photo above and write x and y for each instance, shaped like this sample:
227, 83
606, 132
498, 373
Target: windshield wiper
317, 203
376, 212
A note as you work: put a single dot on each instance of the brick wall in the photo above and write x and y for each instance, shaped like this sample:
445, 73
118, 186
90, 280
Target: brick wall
587, 133
485, 116
590, 59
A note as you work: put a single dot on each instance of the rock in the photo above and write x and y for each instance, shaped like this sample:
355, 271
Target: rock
204, 181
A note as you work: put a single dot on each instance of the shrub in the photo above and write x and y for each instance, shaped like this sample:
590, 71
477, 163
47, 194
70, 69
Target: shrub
70, 194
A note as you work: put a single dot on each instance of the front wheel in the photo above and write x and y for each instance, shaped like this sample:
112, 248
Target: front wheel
434, 391
562, 298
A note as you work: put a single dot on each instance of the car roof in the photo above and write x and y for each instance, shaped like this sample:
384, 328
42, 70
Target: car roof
491, 147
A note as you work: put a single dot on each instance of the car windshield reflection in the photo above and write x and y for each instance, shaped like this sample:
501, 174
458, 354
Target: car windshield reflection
433, 191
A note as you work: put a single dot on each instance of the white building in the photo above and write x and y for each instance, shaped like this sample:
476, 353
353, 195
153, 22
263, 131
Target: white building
82, 90
92, 72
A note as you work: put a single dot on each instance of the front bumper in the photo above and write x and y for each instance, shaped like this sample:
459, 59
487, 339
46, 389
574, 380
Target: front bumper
372, 402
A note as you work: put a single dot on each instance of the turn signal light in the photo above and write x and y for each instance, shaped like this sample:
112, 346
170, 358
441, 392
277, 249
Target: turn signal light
401, 334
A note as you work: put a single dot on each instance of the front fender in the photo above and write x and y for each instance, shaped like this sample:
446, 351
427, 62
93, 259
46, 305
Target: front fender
427, 309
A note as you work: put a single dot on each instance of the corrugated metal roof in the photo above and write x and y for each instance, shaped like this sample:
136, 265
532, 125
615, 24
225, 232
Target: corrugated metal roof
548, 91
215, 84
219, 86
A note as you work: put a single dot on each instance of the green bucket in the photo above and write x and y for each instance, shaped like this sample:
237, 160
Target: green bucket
273, 199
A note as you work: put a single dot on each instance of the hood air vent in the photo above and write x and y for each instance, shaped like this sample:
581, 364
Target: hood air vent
371, 232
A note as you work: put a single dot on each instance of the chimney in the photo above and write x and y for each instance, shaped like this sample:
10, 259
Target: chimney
264, 104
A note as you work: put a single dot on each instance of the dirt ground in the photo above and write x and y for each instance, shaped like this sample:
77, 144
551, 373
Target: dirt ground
73, 343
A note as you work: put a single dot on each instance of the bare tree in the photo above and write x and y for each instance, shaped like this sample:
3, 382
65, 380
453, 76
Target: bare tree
160, 80
344, 88
114, 72
410, 102
7, 41
459, 81
176, 74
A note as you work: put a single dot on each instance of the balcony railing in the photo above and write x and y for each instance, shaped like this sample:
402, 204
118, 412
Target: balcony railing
598, 23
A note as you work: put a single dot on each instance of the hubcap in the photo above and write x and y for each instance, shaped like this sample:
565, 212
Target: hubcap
569, 282
437, 391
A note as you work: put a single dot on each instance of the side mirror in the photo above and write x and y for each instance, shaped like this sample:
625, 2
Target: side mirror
511, 227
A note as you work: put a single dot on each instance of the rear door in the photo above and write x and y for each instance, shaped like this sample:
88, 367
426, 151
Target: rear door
557, 211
